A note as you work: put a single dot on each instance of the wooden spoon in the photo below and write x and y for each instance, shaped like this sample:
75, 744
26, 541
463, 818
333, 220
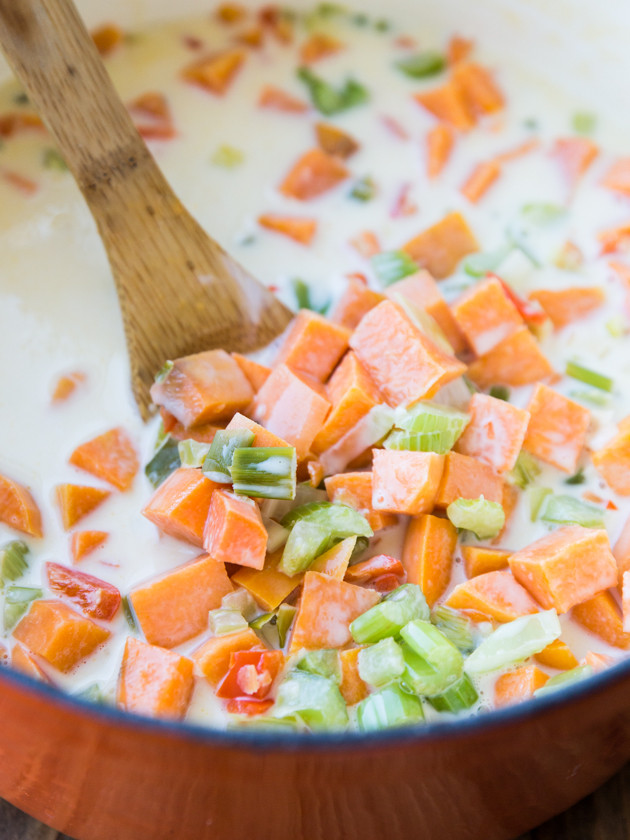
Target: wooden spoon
179, 291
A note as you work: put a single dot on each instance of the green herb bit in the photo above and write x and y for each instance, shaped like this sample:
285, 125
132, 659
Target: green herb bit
192, 453
567, 510
397, 609
481, 516
329, 100
228, 157
513, 642
324, 663
537, 497
51, 159
422, 65
455, 626
13, 562
584, 122
364, 189
500, 392
460, 696
165, 461
542, 213
284, 619
92, 694
478, 265
589, 377
218, 461
525, 471
391, 706
164, 371
128, 613
267, 472
390, 266
302, 292
567, 678
17, 600
312, 699
381, 663
576, 478
222, 621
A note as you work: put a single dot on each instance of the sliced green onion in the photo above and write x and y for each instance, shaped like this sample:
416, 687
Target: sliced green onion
163, 463
284, 619
478, 265
513, 642
537, 497
565, 679
13, 560
312, 699
458, 697
325, 663
576, 478
218, 461
390, 266
422, 65
302, 292
127, 611
52, 159
584, 122
192, 453
222, 621
364, 189
228, 157
542, 213
381, 663
389, 707
481, 516
276, 535
387, 618
242, 601
92, 694
329, 100
427, 428
436, 650
17, 599
500, 392
567, 510
266, 472
455, 626
589, 377
525, 471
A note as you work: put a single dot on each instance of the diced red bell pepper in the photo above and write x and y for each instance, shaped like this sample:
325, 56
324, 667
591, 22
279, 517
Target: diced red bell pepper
530, 313
95, 597
251, 674
243, 706
379, 571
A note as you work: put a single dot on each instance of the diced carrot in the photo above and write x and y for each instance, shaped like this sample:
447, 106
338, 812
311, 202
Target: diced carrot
478, 559
518, 685
355, 490
230, 13
567, 305
557, 655
495, 432
234, 531
313, 174
517, 360
405, 482
352, 687
293, 407
567, 567
154, 681
317, 46
66, 385
480, 180
251, 674
212, 659
334, 141
59, 634
313, 345
277, 99
94, 597
618, 176
256, 373
300, 230
327, 608
467, 478
111, 457
20, 182
621, 550
84, 542
215, 73
615, 239
316, 472
152, 116
557, 428
477, 88
268, 586
448, 104
612, 462
569, 257
486, 315
76, 501
602, 616
403, 362
18, 509
598, 661
253, 37
458, 49
355, 302
366, 244
106, 37
203, 388
179, 507
427, 554
22, 661
493, 595
370, 572
262, 437
19, 121
440, 247
174, 607
278, 22
574, 155
439, 143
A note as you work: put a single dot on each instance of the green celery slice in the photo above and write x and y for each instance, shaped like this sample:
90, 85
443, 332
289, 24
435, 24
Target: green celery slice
567, 510
427, 427
479, 264
458, 697
584, 122
433, 646
423, 678
455, 626
381, 663
242, 601
284, 619
364, 189
164, 462
164, 371
329, 100
127, 610
389, 707
325, 663
513, 642
542, 212
481, 516
313, 699
565, 679
267, 472
422, 65
537, 496
192, 453
589, 377
302, 292
17, 600
222, 621
13, 562
500, 392
387, 618
390, 266
52, 159
228, 157
525, 471
218, 461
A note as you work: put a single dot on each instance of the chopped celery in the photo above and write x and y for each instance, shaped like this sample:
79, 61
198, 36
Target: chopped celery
17, 600
478, 265
359, 547
284, 619
389, 616
542, 213
325, 663
266, 626
165, 461
128, 613
567, 510
423, 678
91, 694
276, 535
500, 392
218, 461
192, 453
164, 371
13, 560
222, 621
364, 189
461, 695
584, 122
512, 642
52, 159
566, 678
537, 496
306, 541
525, 470
381, 663
433, 646
589, 377
329, 100
481, 516
576, 478
266, 472
302, 292
391, 706
229, 157
242, 601
390, 266
422, 65
427, 428
313, 699
304, 493
455, 626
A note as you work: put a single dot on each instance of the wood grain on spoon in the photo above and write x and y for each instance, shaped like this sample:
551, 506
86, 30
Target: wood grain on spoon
179, 291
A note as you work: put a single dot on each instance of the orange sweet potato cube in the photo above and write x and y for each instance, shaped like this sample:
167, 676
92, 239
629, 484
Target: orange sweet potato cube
334, 141
313, 345
440, 247
179, 507
174, 607
621, 550
448, 104
262, 437
354, 303
216, 72
557, 655
268, 586
76, 501
518, 685
618, 176
59, 634
313, 174
563, 306
495, 433
574, 155
256, 373
293, 407
567, 567
83, 543
602, 616
612, 462
352, 687
478, 559
405, 365
234, 531
154, 681
355, 490
517, 360
203, 388
492, 596
405, 482
427, 554
336, 560
467, 478
212, 658
18, 509
25, 663
478, 88
557, 428
486, 315
111, 457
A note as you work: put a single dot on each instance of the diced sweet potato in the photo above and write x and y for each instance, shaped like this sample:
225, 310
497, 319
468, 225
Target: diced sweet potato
67, 384
495, 433
268, 586
479, 90
621, 550
517, 360
107, 37
480, 180
366, 244
355, 302
212, 659
76, 501
230, 13
352, 687
59, 634
447, 103
574, 155
428, 554
313, 174
567, 567
256, 373
18, 509
177, 430
467, 478
380, 572
405, 365
355, 490
315, 472
618, 176
262, 437
332, 140
327, 608
440, 141
612, 462
154, 681
234, 531
440, 247
518, 685
478, 559
313, 345
563, 306
557, 655
405, 482
111, 457
174, 607
317, 46
557, 428
459, 49
276, 99
602, 616
215, 73
94, 597
486, 315
293, 407
203, 388
299, 229
335, 561
83, 543
493, 595
22, 661
180, 505
598, 661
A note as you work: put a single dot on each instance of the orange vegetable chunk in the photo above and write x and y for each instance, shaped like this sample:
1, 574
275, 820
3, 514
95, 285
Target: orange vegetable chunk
563, 306
234, 531
268, 586
278, 100
598, 661
313, 174
66, 385
203, 388
179, 507
517, 360
567, 567
336, 560
313, 345
439, 143
447, 104
602, 616
106, 37
467, 478
557, 655
18, 509
174, 607
621, 550
332, 140
495, 432
111, 457
154, 681
83, 543
478, 89
95, 597
478, 559
355, 302
22, 661
493, 595
355, 490
256, 373
405, 482
262, 437
574, 155
557, 428
459, 49
76, 501
299, 229
317, 46
326, 610
59, 634
480, 180
352, 687
215, 73
518, 685
17, 122
618, 176
428, 554
486, 315
440, 247
212, 658
612, 462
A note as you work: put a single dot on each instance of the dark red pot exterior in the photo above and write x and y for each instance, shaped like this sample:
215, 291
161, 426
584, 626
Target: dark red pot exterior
101, 776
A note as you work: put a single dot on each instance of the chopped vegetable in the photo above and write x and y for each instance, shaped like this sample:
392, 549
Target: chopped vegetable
575, 675
264, 472
381, 663
455, 626
462, 695
567, 510
390, 266
484, 518
164, 462
589, 377
325, 663
513, 642
422, 65
329, 100
192, 453
387, 618
389, 707
17, 600
13, 560
312, 699
218, 460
